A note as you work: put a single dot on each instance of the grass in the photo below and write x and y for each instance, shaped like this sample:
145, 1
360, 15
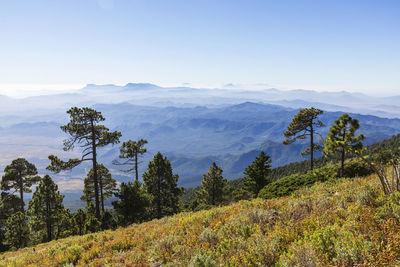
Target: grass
342, 222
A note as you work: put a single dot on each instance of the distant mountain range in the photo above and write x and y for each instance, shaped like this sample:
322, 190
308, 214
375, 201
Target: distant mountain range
192, 127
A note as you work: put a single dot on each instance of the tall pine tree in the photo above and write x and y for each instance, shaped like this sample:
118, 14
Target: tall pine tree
46, 208
304, 125
85, 130
162, 186
20, 175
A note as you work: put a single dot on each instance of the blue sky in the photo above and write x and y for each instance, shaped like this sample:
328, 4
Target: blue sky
327, 45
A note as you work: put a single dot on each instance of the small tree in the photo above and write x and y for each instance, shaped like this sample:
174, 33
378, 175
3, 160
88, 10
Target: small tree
85, 130
342, 138
304, 125
131, 151
92, 224
46, 208
258, 173
132, 203
162, 186
19, 175
107, 185
17, 230
212, 187
79, 219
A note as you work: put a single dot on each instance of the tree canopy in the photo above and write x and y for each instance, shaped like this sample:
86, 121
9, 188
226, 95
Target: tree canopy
107, 185
341, 138
304, 125
212, 186
162, 185
19, 175
131, 151
84, 129
258, 173
46, 208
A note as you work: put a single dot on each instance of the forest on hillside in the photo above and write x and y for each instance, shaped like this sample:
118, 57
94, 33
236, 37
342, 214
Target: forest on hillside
157, 193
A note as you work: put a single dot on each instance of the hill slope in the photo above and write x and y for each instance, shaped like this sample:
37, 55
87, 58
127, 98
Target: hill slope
340, 222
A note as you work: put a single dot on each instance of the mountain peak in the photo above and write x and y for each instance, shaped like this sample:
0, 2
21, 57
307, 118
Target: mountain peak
141, 86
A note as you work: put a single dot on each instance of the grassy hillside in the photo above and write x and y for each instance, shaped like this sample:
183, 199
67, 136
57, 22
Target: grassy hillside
340, 222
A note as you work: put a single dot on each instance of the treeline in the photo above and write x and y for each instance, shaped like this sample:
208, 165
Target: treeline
159, 195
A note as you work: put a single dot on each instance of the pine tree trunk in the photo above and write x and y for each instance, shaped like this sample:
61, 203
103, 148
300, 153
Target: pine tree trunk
311, 147
48, 223
343, 154
136, 167
95, 181
49, 235
342, 161
101, 194
21, 192
159, 197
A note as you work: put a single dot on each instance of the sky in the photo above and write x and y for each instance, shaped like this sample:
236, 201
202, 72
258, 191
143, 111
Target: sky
329, 45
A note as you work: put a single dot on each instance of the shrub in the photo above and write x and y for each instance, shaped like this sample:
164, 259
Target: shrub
264, 218
202, 260
73, 255
323, 240
356, 168
286, 185
390, 208
209, 236
300, 255
368, 196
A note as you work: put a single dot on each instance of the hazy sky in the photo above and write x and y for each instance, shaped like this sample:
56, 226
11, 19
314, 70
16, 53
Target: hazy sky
330, 45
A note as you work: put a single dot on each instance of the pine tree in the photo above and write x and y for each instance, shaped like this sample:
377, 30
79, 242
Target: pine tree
85, 130
132, 203
107, 185
17, 230
92, 224
212, 187
9, 204
46, 208
304, 125
131, 151
65, 225
79, 219
20, 175
342, 138
162, 186
258, 173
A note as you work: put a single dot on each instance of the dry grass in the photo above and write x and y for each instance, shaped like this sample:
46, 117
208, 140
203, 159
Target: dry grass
313, 227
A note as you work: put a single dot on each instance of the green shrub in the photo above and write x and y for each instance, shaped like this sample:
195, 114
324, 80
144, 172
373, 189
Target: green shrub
73, 254
368, 196
323, 240
300, 255
209, 236
356, 168
390, 208
202, 260
286, 185
263, 218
